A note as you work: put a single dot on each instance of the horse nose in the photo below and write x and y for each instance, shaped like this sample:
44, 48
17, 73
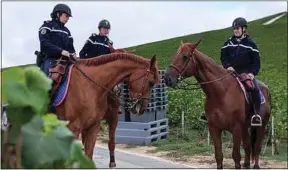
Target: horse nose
167, 80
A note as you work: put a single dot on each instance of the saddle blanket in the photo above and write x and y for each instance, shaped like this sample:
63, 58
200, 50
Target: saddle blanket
62, 90
246, 93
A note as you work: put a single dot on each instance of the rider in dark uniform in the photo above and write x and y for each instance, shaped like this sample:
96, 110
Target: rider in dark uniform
240, 53
97, 44
55, 39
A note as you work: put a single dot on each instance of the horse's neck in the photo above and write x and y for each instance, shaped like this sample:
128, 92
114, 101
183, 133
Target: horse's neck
112, 73
208, 71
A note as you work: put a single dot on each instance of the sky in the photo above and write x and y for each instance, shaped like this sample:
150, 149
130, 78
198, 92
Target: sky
132, 22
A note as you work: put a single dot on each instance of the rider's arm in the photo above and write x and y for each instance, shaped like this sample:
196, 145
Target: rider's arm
225, 56
71, 48
44, 37
86, 48
255, 59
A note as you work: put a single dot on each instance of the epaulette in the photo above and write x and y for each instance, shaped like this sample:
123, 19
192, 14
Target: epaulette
46, 22
93, 34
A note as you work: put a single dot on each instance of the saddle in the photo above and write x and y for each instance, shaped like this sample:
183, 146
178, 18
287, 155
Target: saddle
248, 84
246, 81
57, 72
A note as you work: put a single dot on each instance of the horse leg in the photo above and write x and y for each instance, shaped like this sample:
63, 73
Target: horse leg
237, 138
247, 147
111, 143
74, 126
112, 120
257, 147
216, 136
89, 137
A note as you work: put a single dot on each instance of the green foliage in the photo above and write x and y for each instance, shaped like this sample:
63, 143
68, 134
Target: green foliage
191, 103
272, 43
38, 140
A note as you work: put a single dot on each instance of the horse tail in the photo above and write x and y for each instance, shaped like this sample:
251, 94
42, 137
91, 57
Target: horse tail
253, 141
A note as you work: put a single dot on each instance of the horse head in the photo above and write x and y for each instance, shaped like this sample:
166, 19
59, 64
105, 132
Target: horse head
183, 64
141, 83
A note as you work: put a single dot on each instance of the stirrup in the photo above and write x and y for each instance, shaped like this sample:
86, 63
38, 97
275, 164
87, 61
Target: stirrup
254, 119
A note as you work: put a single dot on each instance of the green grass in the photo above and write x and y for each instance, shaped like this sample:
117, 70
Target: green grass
179, 145
194, 143
281, 156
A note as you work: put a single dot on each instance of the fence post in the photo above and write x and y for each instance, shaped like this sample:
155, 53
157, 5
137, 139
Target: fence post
208, 137
273, 137
182, 122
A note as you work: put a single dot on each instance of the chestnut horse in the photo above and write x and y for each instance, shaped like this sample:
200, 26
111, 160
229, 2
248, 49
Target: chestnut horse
225, 105
111, 117
86, 108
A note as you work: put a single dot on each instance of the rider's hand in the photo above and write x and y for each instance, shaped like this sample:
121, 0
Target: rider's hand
73, 55
230, 69
65, 53
251, 76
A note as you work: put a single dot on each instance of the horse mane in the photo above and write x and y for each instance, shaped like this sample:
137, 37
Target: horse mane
103, 59
206, 59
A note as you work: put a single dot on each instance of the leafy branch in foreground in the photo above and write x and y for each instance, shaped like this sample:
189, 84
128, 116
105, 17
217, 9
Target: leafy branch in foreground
35, 139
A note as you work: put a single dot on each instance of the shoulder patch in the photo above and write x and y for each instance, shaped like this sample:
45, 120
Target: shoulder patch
93, 34
43, 31
46, 22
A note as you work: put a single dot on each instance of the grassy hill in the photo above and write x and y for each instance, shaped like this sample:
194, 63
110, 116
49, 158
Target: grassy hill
272, 43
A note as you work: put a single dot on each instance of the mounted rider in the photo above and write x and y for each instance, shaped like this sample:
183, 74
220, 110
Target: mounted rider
56, 47
98, 44
55, 38
240, 54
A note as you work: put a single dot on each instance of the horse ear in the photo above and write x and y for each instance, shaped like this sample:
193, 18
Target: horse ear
181, 43
194, 46
153, 61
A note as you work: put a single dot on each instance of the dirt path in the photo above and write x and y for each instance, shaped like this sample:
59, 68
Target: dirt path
200, 161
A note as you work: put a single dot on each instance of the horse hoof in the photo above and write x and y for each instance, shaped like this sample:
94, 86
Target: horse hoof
256, 167
220, 166
112, 165
238, 167
246, 165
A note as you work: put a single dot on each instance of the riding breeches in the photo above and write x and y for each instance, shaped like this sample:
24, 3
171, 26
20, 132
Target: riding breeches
47, 64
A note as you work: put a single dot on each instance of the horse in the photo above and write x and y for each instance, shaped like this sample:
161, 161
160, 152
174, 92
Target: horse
84, 109
226, 108
111, 117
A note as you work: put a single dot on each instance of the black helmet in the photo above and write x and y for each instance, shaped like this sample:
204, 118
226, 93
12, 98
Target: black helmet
61, 8
104, 23
239, 22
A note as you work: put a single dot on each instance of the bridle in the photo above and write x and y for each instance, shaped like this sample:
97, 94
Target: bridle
139, 96
191, 58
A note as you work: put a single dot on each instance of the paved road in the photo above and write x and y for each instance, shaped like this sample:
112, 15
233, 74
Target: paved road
130, 160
